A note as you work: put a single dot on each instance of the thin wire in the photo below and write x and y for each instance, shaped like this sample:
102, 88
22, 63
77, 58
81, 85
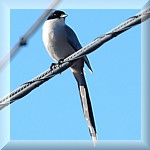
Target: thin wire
23, 40
37, 81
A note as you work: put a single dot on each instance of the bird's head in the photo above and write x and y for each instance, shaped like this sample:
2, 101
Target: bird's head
57, 14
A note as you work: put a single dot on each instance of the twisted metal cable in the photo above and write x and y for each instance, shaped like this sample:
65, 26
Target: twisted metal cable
67, 62
23, 40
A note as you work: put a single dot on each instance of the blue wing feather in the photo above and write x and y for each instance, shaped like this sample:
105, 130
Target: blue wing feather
72, 38
74, 42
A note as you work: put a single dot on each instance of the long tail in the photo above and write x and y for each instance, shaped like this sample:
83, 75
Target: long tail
86, 105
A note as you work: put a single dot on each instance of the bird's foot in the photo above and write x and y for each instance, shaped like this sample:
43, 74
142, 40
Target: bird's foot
53, 66
60, 61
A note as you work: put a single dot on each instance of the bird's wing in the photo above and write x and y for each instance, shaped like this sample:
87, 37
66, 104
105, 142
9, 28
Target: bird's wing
86, 105
74, 42
72, 38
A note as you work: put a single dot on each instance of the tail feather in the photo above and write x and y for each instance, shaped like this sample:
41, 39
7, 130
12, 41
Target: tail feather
86, 105
88, 113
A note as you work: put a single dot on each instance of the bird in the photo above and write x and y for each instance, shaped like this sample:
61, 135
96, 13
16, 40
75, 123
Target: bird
61, 41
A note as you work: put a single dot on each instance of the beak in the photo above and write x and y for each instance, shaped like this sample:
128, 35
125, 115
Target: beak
63, 15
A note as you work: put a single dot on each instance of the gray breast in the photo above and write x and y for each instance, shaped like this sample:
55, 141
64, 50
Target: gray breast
55, 40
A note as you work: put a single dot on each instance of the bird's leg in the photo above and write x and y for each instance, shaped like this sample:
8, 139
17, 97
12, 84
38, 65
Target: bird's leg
54, 65
60, 61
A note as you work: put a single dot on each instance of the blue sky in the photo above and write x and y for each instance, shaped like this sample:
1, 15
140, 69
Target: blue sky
53, 111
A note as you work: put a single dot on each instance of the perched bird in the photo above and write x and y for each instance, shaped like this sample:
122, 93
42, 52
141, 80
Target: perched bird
61, 41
